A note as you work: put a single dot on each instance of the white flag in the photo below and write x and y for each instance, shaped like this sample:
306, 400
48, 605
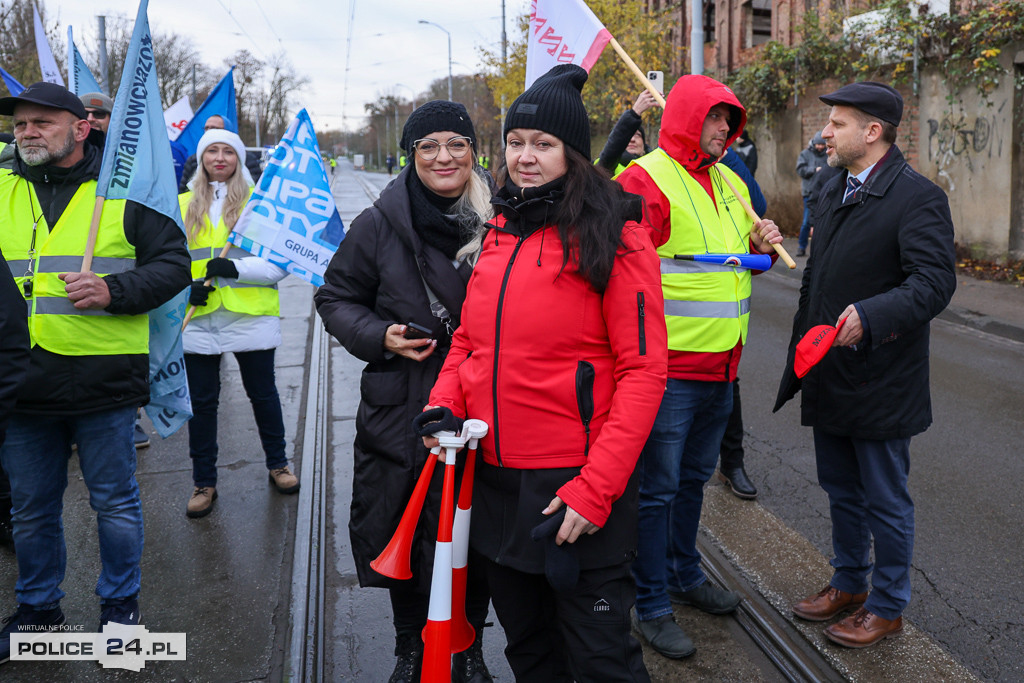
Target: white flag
47, 64
562, 32
177, 117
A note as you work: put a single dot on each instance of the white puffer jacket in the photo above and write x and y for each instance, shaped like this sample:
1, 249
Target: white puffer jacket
225, 331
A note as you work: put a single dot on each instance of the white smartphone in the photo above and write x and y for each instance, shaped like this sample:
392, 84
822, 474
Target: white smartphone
657, 79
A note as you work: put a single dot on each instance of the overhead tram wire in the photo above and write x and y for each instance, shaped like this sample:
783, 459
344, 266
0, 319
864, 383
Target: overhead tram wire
242, 28
267, 19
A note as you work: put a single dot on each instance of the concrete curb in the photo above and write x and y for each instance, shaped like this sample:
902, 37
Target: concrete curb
789, 568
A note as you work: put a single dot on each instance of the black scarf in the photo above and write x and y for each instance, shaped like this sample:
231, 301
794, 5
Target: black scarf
527, 209
432, 219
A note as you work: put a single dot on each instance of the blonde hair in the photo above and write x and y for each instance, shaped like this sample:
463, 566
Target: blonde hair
473, 209
202, 197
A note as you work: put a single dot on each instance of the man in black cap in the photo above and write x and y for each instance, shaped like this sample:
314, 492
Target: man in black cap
89, 366
884, 261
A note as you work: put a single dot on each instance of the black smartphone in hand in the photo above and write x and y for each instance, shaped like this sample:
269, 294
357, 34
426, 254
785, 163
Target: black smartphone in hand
414, 331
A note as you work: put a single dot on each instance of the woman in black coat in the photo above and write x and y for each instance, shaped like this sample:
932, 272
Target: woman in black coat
418, 234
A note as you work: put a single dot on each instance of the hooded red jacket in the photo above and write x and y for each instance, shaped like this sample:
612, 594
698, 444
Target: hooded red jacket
687, 106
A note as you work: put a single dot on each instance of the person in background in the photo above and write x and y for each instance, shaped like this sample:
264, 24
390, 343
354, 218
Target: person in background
252, 159
415, 245
98, 107
689, 209
884, 266
89, 366
334, 165
389, 163
627, 140
747, 150
239, 313
809, 165
566, 296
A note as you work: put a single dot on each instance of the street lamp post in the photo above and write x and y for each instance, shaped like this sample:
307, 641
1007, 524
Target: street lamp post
424, 21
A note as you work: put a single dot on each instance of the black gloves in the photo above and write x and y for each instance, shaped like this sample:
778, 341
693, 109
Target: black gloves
436, 420
200, 293
220, 267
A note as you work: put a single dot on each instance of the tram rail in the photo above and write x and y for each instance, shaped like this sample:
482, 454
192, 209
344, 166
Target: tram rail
795, 659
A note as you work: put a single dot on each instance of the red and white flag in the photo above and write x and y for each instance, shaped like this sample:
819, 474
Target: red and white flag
562, 32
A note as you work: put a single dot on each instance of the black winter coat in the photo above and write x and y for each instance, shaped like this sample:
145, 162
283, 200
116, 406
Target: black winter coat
14, 346
77, 385
890, 250
371, 283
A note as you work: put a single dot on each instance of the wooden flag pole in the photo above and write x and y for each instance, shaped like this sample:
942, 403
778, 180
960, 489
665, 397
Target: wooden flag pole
638, 73
779, 249
206, 283
94, 230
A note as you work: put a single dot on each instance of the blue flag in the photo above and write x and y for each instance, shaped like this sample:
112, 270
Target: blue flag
11, 82
291, 219
220, 102
80, 79
137, 166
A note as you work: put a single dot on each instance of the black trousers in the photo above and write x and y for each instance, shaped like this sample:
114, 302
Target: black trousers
732, 441
583, 636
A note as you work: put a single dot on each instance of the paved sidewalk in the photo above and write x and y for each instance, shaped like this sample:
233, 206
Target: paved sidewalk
991, 307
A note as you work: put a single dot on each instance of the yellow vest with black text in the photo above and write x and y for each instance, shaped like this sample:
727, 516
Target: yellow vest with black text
707, 307
54, 323
229, 293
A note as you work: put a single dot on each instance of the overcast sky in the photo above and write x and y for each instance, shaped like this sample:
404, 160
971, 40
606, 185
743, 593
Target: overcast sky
388, 47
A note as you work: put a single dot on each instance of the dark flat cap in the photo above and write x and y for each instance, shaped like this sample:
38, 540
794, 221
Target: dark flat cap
876, 99
46, 94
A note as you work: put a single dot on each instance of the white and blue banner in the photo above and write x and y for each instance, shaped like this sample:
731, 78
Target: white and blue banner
80, 79
291, 219
47, 64
137, 165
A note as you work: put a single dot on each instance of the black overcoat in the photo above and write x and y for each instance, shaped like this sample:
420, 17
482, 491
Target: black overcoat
890, 250
373, 282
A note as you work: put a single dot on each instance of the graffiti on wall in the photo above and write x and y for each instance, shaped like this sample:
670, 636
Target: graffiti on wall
965, 137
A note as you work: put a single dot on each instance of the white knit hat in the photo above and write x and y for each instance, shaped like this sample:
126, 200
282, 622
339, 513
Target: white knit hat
228, 138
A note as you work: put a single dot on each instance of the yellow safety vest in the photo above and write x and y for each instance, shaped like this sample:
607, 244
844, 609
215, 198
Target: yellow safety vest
707, 307
229, 293
54, 323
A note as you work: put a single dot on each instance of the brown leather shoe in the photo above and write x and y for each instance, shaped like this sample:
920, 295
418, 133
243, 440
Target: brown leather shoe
863, 629
283, 480
201, 502
828, 603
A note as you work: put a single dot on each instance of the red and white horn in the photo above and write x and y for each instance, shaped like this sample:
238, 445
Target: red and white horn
462, 633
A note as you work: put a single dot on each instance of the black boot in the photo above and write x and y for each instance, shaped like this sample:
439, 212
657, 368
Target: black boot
469, 666
409, 650
736, 478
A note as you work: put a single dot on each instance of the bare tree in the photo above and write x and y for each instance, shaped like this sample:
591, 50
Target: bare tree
18, 44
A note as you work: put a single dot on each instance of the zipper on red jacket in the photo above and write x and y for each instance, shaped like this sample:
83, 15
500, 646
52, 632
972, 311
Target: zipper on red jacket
641, 315
497, 344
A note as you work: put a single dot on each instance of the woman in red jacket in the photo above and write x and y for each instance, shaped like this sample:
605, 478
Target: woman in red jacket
562, 351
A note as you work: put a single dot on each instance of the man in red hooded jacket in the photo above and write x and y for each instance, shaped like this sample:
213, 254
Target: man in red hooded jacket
690, 209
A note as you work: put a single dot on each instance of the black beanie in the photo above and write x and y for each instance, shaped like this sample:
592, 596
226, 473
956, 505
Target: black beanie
554, 105
433, 117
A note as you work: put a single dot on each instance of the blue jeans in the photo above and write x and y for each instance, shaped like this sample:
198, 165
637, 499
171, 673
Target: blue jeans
257, 370
805, 227
866, 483
677, 460
35, 456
